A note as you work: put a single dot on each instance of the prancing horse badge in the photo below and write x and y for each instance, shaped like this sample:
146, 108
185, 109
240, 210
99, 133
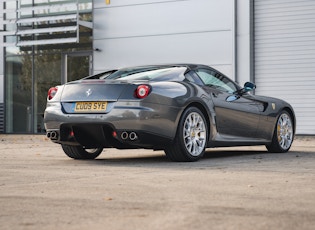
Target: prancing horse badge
88, 92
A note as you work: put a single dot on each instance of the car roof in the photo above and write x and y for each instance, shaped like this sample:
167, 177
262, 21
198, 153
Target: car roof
189, 66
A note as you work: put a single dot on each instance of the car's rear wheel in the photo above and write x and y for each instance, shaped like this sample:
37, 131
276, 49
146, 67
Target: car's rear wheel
80, 153
191, 137
283, 134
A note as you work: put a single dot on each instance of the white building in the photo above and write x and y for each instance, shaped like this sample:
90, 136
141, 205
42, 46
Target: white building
49, 42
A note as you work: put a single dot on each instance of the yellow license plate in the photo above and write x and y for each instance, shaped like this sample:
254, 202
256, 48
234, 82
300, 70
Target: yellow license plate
90, 107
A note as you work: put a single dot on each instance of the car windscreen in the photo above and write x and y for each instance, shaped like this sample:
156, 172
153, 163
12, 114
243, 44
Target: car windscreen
151, 74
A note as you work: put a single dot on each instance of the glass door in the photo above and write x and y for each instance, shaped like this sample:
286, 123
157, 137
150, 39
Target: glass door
72, 66
76, 66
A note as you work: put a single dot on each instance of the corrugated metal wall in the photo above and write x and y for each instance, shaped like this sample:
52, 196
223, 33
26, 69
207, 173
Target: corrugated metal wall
1, 117
285, 55
1, 79
137, 32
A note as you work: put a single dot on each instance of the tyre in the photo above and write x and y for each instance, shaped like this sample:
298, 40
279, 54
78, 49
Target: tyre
191, 137
80, 153
283, 134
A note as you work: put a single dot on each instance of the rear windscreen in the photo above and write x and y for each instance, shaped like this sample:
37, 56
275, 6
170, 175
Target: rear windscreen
150, 74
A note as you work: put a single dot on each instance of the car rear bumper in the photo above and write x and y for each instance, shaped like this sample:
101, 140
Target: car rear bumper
126, 125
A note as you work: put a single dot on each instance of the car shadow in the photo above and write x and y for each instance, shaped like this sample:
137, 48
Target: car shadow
212, 154
213, 159
159, 159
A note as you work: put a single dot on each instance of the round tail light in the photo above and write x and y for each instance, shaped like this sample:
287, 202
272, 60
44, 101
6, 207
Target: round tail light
52, 92
142, 91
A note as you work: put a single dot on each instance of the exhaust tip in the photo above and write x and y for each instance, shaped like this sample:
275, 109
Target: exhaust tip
52, 135
124, 135
133, 136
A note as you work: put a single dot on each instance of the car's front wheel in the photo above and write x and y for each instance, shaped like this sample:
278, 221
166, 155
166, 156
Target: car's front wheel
191, 137
80, 153
283, 134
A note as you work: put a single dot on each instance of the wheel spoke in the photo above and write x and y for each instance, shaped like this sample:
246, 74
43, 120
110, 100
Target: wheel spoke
194, 134
285, 131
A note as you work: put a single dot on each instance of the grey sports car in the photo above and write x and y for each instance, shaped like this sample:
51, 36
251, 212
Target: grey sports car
179, 108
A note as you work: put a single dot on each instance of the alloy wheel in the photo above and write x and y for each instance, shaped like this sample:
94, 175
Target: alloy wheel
194, 134
284, 131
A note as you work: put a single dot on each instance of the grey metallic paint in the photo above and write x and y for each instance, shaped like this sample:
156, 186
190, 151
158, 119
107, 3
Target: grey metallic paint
246, 120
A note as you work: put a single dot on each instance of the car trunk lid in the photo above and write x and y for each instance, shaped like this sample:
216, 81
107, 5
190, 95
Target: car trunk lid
92, 90
92, 96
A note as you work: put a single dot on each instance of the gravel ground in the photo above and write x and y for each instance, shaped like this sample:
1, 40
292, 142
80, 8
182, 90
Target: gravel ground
230, 188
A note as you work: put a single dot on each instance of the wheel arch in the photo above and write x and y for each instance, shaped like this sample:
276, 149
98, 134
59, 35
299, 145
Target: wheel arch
205, 112
292, 114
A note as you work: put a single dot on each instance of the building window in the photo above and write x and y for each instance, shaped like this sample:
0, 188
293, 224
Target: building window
34, 62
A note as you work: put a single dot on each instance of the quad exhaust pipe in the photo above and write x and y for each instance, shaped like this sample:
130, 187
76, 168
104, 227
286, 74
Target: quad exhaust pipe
52, 135
132, 136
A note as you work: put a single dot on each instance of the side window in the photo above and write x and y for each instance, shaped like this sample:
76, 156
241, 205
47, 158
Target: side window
193, 77
216, 80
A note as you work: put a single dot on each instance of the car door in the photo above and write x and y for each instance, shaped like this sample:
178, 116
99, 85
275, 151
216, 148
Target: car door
236, 115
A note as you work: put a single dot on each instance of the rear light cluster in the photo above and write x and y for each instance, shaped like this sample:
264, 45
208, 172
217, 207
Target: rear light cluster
52, 92
142, 91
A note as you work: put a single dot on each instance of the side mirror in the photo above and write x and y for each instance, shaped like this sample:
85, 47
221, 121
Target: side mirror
248, 86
